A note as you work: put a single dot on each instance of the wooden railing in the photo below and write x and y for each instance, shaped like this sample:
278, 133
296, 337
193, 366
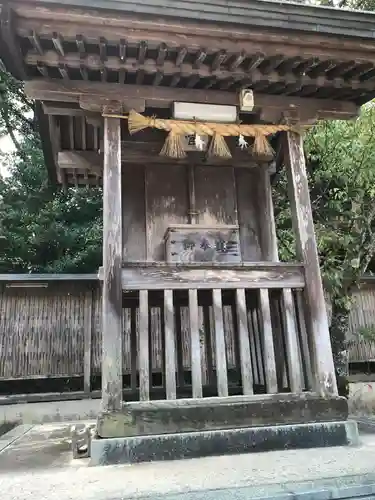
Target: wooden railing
218, 330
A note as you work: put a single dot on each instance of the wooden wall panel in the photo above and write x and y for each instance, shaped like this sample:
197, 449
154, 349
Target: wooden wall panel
247, 183
215, 195
155, 197
166, 204
42, 332
133, 210
96, 344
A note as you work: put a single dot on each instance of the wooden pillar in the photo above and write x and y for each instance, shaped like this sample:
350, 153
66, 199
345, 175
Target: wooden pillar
307, 253
112, 263
270, 253
267, 228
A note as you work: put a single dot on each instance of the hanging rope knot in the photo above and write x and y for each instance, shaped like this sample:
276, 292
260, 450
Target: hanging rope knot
153, 119
218, 147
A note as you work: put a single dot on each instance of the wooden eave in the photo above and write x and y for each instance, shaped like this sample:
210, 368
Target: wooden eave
312, 61
275, 48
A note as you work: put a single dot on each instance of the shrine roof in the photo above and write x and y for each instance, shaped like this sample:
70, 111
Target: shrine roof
314, 61
272, 14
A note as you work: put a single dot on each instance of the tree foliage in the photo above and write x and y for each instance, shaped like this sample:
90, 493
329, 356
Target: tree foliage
340, 158
43, 229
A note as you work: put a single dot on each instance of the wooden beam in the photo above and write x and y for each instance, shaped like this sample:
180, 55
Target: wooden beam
58, 43
260, 275
95, 62
35, 42
85, 160
143, 152
112, 258
316, 317
73, 92
67, 109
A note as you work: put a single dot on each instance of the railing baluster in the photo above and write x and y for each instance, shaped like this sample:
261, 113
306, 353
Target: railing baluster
196, 364
144, 354
221, 360
291, 340
170, 355
244, 343
133, 347
269, 351
304, 340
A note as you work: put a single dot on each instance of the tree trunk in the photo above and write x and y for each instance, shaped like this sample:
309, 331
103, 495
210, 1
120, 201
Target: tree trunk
338, 331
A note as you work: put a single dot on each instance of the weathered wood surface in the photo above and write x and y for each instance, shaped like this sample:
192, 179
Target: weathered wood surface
304, 341
157, 277
170, 346
42, 332
215, 195
244, 21
244, 344
292, 344
247, 188
316, 315
202, 244
112, 259
93, 62
269, 350
86, 160
143, 347
166, 204
192, 197
265, 215
156, 198
87, 325
65, 91
196, 365
133, 214
221, 360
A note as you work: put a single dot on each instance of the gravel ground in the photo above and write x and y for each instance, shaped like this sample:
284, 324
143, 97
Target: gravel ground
39, 466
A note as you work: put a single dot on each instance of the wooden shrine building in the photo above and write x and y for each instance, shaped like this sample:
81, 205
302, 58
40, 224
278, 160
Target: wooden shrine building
175, 107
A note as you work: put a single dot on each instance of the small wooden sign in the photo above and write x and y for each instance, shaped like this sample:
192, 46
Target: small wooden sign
188, 142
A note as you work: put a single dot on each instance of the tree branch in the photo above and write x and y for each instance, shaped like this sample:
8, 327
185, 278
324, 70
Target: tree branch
9, 128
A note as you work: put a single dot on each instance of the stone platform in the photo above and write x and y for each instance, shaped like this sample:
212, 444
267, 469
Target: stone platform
209, 414
121, 450
36, 463
169, 430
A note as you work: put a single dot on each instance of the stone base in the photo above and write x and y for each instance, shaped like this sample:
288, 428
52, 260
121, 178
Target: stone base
221, 442
209, 414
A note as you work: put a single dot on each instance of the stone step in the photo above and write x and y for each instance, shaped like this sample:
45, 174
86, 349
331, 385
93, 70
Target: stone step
208, 414
109, 451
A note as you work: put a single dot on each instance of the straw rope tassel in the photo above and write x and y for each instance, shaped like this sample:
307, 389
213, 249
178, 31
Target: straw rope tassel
173, 147
261, 146
218, 147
